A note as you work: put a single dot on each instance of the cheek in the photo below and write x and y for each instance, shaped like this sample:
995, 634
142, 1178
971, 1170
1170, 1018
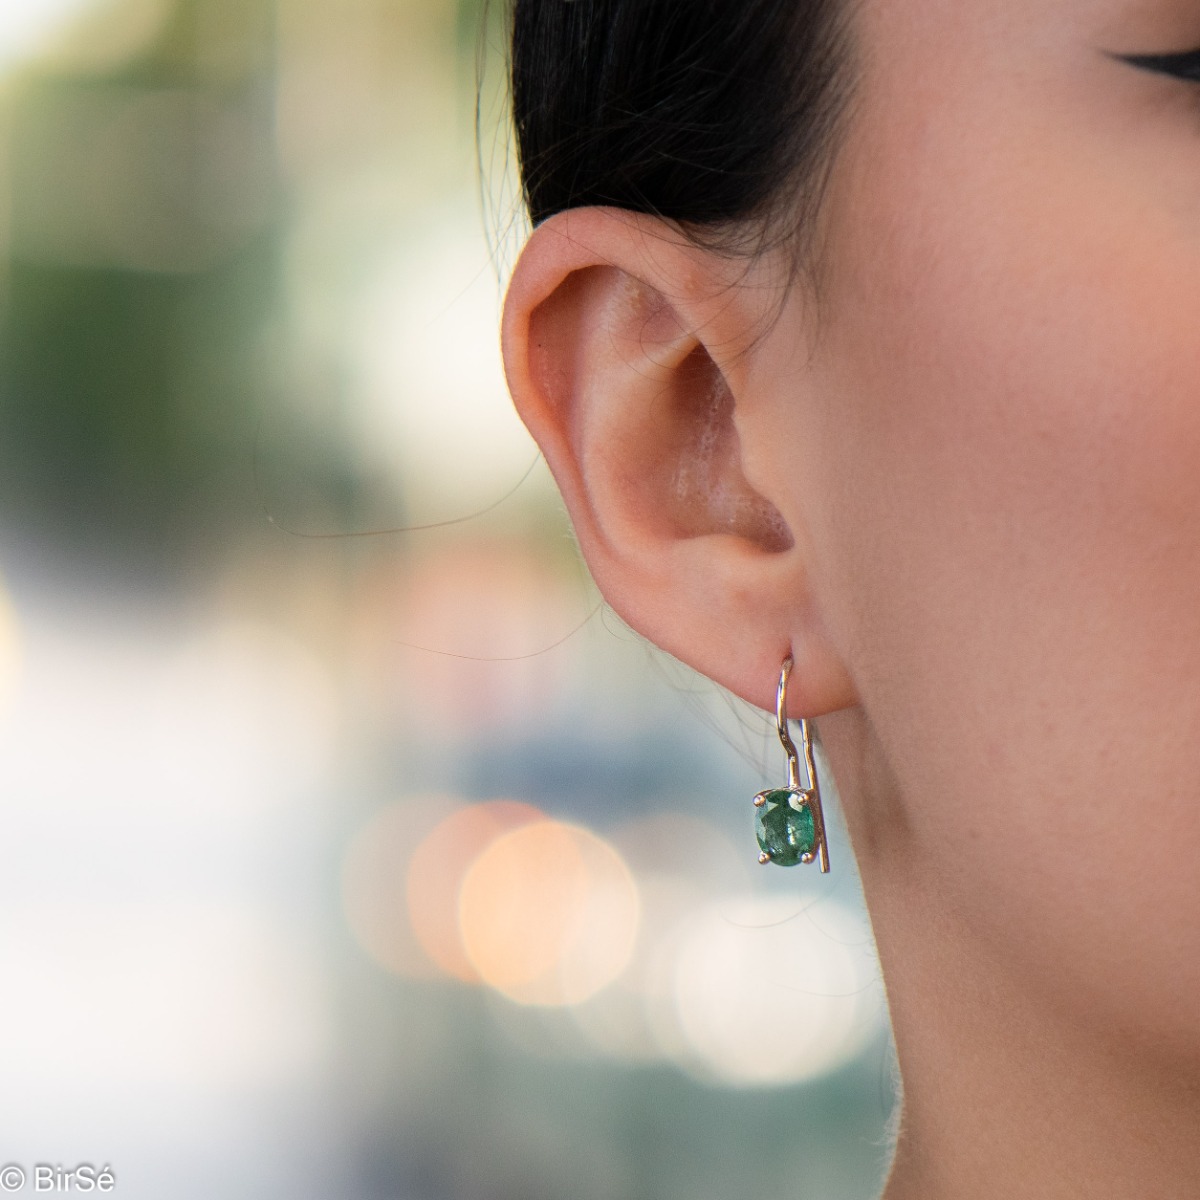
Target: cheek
1012, 541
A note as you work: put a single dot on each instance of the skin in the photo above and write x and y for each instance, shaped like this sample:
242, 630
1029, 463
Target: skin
960, 482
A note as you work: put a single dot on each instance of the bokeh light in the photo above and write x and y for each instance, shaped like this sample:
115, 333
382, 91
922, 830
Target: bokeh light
766, 994
680, 860
549, 914
437, 871
634, 1020
374, 883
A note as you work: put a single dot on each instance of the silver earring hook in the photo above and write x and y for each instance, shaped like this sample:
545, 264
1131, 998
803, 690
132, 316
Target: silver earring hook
785, 736
791, 823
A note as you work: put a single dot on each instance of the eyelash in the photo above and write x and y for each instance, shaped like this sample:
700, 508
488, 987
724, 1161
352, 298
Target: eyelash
1184, 66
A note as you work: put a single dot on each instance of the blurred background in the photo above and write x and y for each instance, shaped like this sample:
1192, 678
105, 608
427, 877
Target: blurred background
339, 862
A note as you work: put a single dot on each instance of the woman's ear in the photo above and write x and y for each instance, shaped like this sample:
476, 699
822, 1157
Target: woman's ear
631, 354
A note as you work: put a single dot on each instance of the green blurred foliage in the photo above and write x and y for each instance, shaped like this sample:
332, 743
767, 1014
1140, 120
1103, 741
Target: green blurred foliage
146, 220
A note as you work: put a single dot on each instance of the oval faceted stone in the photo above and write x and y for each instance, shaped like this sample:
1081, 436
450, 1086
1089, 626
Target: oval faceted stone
785, 827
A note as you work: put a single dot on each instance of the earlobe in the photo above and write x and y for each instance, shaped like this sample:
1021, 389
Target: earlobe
629, 354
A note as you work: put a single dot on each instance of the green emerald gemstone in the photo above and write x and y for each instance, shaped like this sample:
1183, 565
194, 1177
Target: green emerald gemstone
785, 827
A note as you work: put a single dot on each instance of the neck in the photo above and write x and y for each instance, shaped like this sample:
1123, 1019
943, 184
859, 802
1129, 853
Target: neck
1006, 1097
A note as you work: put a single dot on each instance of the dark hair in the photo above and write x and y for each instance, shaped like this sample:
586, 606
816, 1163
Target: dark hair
717, 114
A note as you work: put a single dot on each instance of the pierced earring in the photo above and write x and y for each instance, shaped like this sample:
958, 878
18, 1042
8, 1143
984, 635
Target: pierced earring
790, 823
